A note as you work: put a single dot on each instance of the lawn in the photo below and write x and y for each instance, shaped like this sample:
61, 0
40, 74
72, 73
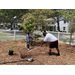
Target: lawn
3, 34
8, 37
38, 53
67, 40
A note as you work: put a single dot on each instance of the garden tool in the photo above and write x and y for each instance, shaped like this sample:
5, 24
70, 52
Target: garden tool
25, 45
21, 55
30, 60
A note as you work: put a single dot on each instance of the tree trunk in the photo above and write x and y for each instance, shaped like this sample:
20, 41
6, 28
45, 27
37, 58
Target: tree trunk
11, 25
11, 20
58, 23
70, 38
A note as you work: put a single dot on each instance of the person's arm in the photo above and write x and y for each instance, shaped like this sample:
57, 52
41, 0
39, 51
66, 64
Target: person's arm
26, 38
30, 37
43, 43
45, 39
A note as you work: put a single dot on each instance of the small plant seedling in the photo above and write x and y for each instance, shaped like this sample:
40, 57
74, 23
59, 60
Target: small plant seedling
7, 40
22, 41
12, 46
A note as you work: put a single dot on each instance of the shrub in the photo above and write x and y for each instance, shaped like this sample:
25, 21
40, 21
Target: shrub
12, 46
37, 36
64, 41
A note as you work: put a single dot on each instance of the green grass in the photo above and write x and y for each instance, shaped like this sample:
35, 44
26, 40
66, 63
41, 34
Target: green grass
64, 41
20, 37
67, 40
3, 34
71, 40
7, 37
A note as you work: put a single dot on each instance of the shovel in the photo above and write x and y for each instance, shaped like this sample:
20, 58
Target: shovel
21, 55
31, 59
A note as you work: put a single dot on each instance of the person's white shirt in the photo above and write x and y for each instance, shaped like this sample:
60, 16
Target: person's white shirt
50, 38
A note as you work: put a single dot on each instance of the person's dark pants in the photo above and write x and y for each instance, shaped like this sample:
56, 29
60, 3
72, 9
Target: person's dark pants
28, 44
53, 44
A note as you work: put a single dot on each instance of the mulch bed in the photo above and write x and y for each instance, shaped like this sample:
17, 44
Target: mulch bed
38, 53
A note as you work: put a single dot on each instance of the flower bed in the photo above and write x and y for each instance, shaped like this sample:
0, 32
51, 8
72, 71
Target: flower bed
38, 53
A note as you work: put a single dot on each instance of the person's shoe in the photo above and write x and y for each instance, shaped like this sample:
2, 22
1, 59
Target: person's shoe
58, 54
28, 49
49, 54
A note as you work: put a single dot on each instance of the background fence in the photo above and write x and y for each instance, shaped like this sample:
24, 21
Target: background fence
61, 36
64, 37
9, 35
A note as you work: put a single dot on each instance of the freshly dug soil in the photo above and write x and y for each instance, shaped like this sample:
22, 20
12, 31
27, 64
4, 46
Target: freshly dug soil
38, 53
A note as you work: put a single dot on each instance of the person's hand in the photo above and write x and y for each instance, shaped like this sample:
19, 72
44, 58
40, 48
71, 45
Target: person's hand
28, 41
41, 45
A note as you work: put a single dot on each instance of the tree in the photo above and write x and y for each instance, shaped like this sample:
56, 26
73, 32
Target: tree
11, 15
58, 13
72, 26
28, 23
40, 16
70, 16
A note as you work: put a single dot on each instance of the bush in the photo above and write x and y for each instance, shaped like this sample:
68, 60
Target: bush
37, 36
64, 41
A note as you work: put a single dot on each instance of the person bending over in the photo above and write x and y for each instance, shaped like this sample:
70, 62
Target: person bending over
53, 42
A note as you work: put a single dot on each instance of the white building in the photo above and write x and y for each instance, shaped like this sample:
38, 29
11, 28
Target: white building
63, 24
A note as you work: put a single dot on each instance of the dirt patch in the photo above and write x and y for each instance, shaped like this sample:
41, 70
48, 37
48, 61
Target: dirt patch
38, 53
